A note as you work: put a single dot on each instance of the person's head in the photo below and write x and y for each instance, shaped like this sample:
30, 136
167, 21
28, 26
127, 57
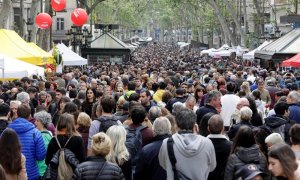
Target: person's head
23, 97
108, 104
166, 97
256, 95
293, 97
230, 87
118, 151
250, 172
246, 114
84, 120
278, 94
59, 93
154, 112
62, 102
215, 124
101, 144
138, 114
199, 92
32, 91
82, 85
131, 86
260, 84
272, 139
214, 98
243, 102
145, 97
282, 161
73, 93
190, 102
66, 124
51, 96
185, 119
4, 110
42, 120
24, 111
281, 108
90, 95
10, 150
243, 138
161, 126
295, 134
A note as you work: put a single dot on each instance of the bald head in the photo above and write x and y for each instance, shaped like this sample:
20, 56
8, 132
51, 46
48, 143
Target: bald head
215, 124
243, 102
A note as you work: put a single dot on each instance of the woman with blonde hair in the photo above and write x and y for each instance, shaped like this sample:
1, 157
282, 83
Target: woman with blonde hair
118, 151
96, 166
245, 87
83, 125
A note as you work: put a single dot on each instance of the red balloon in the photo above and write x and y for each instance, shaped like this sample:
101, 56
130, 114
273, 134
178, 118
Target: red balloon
43, 20
79, 17
58, 5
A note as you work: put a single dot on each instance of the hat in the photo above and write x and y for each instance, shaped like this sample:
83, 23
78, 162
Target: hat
249, 171
270, 83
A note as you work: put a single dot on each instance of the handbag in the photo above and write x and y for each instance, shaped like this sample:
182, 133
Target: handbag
177, 174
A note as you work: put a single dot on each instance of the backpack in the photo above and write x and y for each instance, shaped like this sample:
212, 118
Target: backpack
64, 170
106, 122
134, 142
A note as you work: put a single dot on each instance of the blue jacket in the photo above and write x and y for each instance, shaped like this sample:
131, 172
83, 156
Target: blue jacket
294, 112
32, 144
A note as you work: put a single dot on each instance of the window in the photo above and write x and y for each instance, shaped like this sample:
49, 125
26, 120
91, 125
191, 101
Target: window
17, 18
60, 24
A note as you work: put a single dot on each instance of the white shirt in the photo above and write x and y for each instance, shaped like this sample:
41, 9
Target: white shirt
229, 102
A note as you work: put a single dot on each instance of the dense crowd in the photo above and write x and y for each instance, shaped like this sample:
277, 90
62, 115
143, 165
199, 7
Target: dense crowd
164, 114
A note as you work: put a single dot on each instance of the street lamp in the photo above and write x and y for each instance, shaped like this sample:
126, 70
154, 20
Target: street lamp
29, 24
79, 37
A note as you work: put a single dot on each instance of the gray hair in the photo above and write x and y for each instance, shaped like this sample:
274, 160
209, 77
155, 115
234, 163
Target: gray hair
177, 107
191, 99
18, 103
43, 117
154, 112
246, 114
295, 96
185, 119
274, 138
161, 126
214, 94
23, 97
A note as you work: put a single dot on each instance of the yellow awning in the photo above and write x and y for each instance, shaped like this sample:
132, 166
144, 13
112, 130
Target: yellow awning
48, 56
11, 44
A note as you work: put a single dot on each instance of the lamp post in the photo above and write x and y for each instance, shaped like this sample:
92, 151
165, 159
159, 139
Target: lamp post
79, 37
29, 24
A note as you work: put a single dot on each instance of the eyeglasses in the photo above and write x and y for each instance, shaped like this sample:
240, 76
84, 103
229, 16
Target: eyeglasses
119, 91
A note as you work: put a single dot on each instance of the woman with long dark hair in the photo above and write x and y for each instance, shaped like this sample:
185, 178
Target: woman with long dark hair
244, 151
282, 162
90, 99
11, 159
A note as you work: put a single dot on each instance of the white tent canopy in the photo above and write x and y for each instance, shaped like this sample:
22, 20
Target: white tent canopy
250, 55
69, 57
206, 51
14, 68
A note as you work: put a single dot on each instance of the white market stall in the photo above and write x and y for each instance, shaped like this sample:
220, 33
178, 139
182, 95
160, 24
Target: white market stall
250, 55
69, 57
15, 69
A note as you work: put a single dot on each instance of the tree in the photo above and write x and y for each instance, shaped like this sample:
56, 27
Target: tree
5, 12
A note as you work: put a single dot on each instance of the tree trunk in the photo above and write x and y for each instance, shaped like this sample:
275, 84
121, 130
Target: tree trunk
259, 16
236, 21
5, 12
33, 11
228, 35
22, 20
44, 34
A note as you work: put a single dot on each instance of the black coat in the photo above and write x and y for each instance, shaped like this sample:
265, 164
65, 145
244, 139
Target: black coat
222, 149
90, 169
234, 129
170, 104
147, 167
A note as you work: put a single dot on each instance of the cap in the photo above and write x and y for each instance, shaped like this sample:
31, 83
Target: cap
249, 171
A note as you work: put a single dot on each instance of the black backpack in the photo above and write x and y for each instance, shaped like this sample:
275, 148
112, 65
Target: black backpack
106, 122
134, 142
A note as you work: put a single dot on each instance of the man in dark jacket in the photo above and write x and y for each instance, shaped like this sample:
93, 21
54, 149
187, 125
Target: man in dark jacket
221, 144
179, 98
213, 103
279, 123
148, 164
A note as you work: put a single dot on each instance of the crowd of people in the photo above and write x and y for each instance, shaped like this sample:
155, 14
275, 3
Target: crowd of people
165, 114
